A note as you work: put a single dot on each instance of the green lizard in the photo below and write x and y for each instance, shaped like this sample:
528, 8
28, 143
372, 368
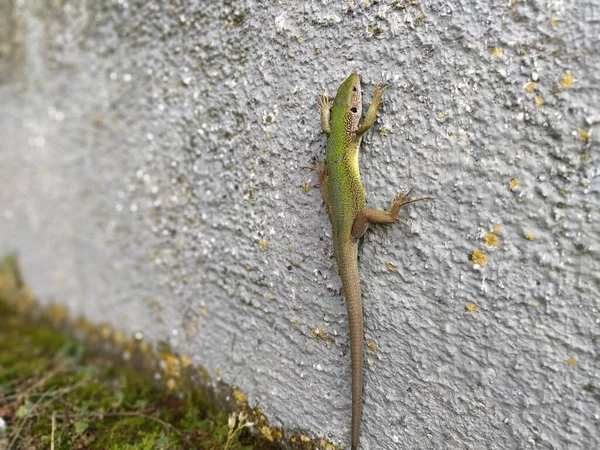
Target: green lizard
344, 197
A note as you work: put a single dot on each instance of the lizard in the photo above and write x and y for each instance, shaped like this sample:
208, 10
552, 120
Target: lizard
344, 197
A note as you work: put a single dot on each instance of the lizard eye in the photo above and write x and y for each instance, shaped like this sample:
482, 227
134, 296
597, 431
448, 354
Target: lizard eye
354, 88
353, 109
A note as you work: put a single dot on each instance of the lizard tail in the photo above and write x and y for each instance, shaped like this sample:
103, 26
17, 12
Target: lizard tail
349, 274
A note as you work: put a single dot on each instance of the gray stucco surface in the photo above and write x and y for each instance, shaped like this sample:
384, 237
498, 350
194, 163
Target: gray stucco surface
151, 162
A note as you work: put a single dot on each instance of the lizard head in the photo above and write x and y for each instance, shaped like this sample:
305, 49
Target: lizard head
348, 99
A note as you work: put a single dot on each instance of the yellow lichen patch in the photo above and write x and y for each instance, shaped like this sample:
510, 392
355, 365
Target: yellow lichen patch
150, 302
319, 334
57, 313
7, 281
372, 346
514, 184
566, 80
536, 304
572, 362
478, 257
584, 136
129, 344
326, 445
374, 29
105, 331
170, 364
239, 397
538, 101
554, 21
171, 384
384, 132
441, 116
144, 347
418, 22
471, 307
306, 187
262, 243
490, 240
304, 438
317, 51
497, 229
529, 236
496, 52
203, 375
83, 325
266, 432
390, 265
118, 337
185, 360
530, 86
277, 434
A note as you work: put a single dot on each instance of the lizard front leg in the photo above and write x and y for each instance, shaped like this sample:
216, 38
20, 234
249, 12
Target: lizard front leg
323, 181
325, 104
371, 115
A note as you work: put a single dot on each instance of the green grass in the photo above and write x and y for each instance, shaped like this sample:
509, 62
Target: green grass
57, 393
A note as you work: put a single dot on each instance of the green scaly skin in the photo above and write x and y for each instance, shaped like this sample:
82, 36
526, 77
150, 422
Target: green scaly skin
344, 197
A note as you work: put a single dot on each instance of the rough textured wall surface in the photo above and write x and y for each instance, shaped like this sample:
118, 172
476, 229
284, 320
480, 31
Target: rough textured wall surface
151, 167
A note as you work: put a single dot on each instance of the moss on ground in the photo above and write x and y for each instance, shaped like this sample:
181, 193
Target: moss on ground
60, 392
52, 390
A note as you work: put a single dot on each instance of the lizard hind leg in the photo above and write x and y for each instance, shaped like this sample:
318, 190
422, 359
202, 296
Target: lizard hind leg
324, 182
367, 216
321, 171
361, 223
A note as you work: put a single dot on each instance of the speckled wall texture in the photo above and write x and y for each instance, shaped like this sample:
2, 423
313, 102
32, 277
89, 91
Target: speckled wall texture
151, 167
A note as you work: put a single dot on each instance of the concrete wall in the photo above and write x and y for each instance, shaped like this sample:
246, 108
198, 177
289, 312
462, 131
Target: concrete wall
151, 175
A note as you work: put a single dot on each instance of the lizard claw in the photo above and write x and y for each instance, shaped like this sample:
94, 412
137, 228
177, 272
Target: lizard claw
320, 171
402, 200
378, 93
324, 101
